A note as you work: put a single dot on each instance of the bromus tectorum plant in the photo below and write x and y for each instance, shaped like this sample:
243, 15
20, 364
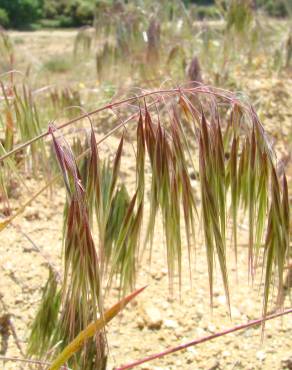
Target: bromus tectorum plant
184, 182
209, 131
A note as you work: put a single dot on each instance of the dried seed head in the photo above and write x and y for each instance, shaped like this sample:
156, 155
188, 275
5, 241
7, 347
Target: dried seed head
153, 35
194, 71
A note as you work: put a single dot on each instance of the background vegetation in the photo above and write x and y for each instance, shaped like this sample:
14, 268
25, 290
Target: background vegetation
74, 13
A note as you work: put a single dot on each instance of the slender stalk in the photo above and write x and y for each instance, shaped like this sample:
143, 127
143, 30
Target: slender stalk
202, 340
28, 361
91, 330
4, 223
199, 89
85, 115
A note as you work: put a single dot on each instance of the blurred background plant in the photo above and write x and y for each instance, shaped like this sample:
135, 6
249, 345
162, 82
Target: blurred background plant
76, 13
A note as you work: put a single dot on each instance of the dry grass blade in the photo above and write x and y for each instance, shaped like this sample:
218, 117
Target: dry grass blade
140, 166
277, 238
251, 196
91, 330
124, 254
170, 186
234, 189
213, 187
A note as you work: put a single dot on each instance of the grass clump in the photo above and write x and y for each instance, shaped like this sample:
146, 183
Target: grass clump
244, 182
58, 64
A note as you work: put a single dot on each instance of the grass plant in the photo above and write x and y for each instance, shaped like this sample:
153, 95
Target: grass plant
174, 132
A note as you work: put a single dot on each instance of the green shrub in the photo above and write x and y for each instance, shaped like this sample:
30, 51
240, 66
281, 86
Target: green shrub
69, 13
84, 13
65, 13
199, 2
273, 8
50, 23
207, 12
4, 19
52, 7
65, 21
21, 13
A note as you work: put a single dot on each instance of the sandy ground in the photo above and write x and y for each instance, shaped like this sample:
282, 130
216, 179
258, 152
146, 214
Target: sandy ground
176, 318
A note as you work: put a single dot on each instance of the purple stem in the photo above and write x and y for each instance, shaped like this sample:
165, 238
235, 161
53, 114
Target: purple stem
199, 89
202, 340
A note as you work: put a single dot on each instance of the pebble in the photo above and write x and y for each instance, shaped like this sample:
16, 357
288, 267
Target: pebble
152, 317
212, 365
140, 323
170, 324
211, 328
157, 275
200, 332
192, 350
200, 313
190, 360
287, 363
31, 214
226, 354
235, 313
261, 355
221, 299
